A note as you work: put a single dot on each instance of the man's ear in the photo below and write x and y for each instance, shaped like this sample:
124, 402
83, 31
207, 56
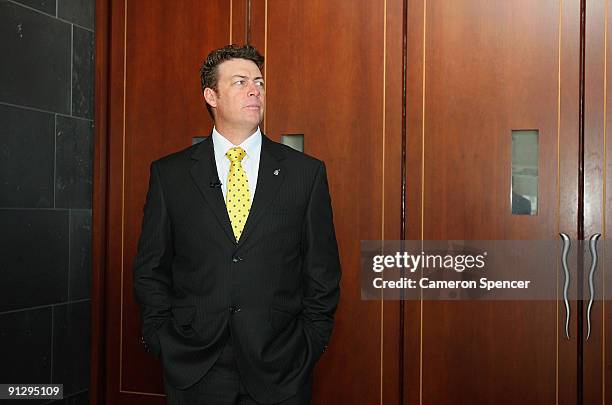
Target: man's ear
210, 96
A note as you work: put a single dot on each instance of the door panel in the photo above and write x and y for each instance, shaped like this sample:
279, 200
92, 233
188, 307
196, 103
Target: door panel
155, 108
326, 79
477, 70
333, 92
597, 360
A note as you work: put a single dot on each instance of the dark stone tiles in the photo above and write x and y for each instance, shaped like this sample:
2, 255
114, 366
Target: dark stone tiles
82, 73
71, 334
25, 347
81, 12
35, 70
80, 254
26, 158
46, 6
34, 251
74, 154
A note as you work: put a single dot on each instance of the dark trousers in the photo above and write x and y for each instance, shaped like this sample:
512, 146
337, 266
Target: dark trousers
222, 386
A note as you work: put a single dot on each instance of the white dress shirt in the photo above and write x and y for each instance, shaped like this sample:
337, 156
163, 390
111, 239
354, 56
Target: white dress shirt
250, 163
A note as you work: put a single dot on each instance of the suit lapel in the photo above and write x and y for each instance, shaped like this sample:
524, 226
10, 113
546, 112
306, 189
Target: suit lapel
204, 174
269, 179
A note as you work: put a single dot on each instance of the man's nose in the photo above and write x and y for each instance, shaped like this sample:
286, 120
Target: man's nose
253, 90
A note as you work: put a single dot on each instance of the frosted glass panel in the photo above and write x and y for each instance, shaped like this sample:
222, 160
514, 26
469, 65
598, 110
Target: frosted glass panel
524, 185
295, 141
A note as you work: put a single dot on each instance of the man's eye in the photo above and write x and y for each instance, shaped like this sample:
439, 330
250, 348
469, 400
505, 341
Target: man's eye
239, 82
260, 84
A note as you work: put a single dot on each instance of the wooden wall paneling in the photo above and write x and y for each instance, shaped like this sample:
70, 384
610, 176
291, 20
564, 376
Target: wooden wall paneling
482, 69
164, 111
603, 322
151, 113
155, 108
325, 80
112, 276
99, 213
594, 195
412, 385
594, 117
239, 18
257, 25
568, 189
393, 80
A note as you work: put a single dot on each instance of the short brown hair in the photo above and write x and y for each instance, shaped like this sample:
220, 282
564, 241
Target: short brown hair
209, 70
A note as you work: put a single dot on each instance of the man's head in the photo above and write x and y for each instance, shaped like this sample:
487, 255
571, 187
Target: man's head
233, 86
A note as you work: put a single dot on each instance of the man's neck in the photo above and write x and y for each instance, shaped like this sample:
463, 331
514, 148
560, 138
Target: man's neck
235, 135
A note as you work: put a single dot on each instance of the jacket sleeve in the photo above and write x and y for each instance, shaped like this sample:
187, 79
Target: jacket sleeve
321, 265
152, 265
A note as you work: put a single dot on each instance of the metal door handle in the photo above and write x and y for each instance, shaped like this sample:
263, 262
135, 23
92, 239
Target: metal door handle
593, 248
565, 252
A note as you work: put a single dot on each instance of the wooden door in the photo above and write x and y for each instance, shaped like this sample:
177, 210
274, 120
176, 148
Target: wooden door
155, 107
331, 67
596, 384
334, 75
477, 70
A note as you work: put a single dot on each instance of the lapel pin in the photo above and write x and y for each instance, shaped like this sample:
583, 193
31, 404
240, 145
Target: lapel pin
276, 172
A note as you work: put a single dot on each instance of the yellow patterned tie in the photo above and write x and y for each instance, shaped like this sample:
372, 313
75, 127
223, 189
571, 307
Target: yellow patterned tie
238, 199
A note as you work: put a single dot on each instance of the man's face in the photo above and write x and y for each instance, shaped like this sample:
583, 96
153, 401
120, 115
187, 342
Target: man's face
239, 99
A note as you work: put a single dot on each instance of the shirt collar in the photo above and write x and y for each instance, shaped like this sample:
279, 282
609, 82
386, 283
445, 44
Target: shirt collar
251, 145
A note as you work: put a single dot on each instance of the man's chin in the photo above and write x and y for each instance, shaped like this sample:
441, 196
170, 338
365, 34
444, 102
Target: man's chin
255, 121
247, 122
252, 125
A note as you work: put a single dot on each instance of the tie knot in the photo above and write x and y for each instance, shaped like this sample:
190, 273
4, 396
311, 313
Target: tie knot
235, 154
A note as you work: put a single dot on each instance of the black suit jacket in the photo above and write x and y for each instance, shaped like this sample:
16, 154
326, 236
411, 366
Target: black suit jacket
276, 290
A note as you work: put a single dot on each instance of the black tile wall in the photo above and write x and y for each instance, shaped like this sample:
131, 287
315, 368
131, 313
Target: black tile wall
71, 331
25, 346
26, 157
35, 70
46, 154
82, 73
46, 6
79, 12
74, 154
80, 254
34, 251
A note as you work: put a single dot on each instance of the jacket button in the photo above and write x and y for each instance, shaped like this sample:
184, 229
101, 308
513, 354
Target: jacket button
236, 259
234, 309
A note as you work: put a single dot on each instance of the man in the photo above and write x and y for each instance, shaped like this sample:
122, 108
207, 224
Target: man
237, 272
